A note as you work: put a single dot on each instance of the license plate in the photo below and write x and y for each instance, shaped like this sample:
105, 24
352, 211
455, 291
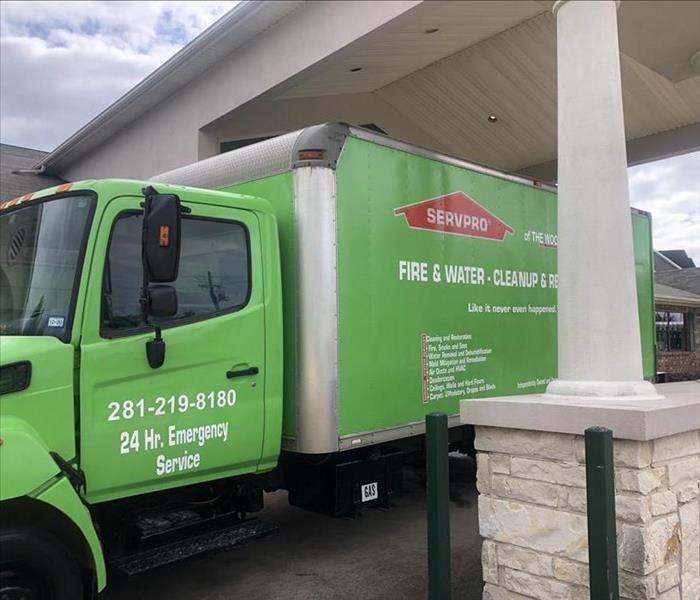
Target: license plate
370, 491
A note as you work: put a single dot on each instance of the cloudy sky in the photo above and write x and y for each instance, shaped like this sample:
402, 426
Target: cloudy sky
61, 63
670, 190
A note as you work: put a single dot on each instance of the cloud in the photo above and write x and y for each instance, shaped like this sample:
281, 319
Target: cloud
62, 63
670, 190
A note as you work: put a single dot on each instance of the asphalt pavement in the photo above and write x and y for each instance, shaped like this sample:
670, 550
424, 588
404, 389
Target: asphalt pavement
380, 554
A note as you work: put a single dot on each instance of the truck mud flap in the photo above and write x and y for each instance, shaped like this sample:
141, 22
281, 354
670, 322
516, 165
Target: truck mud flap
219, 539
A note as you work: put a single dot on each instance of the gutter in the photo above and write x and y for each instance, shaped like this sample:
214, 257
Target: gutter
37, 170
675, 301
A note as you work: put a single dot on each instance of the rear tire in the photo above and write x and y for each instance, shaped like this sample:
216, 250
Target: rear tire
34, 565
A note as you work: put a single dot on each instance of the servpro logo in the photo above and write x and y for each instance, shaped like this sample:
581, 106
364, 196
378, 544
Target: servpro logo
454, 213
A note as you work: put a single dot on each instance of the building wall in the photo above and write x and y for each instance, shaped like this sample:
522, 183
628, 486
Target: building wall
275, 117
681, 365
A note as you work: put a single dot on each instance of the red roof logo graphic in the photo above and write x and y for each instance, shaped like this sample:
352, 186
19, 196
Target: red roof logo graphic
454, 213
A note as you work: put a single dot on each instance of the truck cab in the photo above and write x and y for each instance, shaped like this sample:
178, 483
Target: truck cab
114, 385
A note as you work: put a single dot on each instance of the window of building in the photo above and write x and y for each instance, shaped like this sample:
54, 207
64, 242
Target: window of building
214, 273
373, 127
673, 331
236, 144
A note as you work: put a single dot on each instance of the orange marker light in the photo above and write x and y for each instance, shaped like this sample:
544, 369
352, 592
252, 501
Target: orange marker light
164, 236
15, 201
311, 154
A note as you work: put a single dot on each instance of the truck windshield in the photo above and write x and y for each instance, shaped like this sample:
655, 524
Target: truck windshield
41, 247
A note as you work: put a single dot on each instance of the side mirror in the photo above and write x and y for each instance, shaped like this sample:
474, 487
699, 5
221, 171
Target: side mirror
160, 240
162, 301
160, 253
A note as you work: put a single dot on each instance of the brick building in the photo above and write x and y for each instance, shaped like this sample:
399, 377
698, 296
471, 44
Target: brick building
677, 299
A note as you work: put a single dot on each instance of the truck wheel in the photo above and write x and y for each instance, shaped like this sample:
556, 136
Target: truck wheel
36, 566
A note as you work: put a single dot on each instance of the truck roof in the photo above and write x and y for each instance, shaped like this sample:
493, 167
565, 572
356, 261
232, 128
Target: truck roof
109, 187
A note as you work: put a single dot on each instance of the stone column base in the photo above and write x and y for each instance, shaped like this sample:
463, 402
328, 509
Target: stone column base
532, 503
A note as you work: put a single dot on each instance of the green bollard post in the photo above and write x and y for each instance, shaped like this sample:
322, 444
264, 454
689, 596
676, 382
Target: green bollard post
438, 493
600, 494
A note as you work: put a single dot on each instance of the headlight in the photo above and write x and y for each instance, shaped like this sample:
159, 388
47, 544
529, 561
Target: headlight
15, 377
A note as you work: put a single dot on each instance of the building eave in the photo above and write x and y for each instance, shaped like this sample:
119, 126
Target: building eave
681, 302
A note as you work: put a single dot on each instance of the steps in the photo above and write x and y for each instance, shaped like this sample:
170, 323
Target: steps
194, 545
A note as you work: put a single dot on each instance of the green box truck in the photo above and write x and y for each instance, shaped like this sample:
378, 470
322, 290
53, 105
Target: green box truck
281, 316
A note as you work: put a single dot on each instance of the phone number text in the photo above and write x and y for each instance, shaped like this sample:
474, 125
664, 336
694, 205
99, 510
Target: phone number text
182, 403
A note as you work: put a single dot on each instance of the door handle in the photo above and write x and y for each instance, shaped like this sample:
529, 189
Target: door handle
242, 372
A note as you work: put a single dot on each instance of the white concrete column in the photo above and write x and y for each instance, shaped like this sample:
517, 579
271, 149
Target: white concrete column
599, 342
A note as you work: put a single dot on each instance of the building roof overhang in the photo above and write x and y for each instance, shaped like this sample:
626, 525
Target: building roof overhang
669, 296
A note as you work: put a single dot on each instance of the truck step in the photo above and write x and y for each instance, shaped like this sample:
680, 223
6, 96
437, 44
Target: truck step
220, 539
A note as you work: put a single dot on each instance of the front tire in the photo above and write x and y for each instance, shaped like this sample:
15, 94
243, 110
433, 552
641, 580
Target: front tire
34, 565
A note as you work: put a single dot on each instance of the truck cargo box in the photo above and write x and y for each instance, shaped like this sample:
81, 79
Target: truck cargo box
411, 280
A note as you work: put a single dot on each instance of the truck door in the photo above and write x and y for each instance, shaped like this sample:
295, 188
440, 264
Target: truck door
200, 415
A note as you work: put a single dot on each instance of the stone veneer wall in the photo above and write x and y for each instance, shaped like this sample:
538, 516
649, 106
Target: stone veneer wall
532, 515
